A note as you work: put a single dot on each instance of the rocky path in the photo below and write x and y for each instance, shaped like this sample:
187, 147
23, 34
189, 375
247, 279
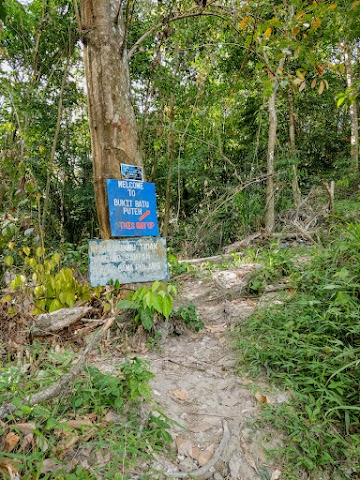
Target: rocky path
197, 386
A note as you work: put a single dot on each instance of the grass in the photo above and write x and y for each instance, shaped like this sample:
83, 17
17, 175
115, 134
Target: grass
97, 429
310, 345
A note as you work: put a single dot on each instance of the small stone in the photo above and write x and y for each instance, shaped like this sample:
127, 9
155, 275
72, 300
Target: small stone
217, 476
187, 465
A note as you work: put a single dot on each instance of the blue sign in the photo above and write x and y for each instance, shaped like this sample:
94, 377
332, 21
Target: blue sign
128, 261
132, 208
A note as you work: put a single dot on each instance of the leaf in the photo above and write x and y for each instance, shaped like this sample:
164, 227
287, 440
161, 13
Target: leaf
180, 394
247, 455
275, 475
340, 101
268, 32
8, 261
26, 250
158, 303
56, 258
321, 87
295, 31
302, 86
301, 73
146, 318
10, 442
70, 299
313, 83
167, 306
127, 305
332, 7
155, 285
261, 398
55, 305
6, 299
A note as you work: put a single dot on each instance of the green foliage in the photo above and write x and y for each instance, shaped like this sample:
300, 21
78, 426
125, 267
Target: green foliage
189, 316
80, 414
176, 267
104, 391
311, 344
276, 265
51, 287
146, 302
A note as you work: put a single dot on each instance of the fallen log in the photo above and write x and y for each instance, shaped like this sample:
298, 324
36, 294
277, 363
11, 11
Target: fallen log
214, 259
50, 323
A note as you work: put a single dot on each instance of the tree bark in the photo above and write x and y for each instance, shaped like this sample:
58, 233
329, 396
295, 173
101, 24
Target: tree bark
113, 126
170, 166
352, 110
294, 183
270, 188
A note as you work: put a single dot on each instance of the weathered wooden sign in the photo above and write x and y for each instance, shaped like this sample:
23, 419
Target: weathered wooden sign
132, 208
128, 261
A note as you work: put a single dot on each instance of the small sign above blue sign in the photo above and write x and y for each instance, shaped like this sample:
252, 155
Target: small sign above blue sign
128, 261
132, 172
132, 208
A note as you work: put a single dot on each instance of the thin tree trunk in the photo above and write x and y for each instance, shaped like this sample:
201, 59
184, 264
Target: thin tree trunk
352, 110
291, 124
170, 166
294, 182
113, 127
270, 189
55, 141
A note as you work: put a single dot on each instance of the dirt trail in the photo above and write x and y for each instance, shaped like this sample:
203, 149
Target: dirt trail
197, 386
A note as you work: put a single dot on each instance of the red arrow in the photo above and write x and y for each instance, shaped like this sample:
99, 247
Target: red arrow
144, 215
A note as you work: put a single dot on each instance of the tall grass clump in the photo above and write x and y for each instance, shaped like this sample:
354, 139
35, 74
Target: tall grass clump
310, 345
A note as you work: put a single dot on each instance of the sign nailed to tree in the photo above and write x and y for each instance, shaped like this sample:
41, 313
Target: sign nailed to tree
132, 208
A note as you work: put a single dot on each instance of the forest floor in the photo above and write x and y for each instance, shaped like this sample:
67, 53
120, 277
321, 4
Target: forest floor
197, 385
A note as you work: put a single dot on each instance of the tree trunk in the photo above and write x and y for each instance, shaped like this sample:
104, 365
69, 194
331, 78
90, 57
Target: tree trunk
270, 188
270, 191
353, 110
113, 126
170, 166
294, 182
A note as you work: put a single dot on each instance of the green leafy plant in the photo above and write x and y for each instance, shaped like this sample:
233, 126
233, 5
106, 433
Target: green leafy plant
189, 316
148, 302
176, 267
311, 345
51, 287
80, 414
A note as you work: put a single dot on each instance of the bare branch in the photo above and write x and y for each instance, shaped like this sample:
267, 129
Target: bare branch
173, 19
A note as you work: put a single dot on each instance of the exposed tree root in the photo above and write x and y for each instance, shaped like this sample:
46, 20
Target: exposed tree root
211, 463
58, 387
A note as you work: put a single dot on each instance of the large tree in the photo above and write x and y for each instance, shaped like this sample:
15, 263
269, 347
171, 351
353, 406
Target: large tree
113, 126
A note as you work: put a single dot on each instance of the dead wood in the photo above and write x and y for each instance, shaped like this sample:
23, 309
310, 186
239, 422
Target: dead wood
245, 242
59, 387
304, 233
217, 455
50, 323
330, 190
214, 259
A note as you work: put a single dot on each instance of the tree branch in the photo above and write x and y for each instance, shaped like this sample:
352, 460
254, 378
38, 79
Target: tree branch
133, 49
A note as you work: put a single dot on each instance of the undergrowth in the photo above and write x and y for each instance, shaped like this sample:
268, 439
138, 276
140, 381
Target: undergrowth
310, 344
97, 429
